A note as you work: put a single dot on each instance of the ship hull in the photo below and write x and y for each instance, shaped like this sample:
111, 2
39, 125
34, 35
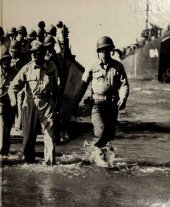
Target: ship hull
143, 63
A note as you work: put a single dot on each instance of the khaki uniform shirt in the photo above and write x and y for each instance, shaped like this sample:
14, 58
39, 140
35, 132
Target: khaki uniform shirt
111, 80
38, 81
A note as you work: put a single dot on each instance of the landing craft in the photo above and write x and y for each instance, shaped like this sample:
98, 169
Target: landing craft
72, 69
148, 58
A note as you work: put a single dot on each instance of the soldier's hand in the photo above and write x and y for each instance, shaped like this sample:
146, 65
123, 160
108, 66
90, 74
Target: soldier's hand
121, 104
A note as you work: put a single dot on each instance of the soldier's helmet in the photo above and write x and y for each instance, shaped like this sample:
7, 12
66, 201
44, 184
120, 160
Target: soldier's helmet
32, 34
41, 24
37, 46
1, 32
22, 29
49, 40
105, 42
59, 24
11, 31
52, 30
5, 55
16, 46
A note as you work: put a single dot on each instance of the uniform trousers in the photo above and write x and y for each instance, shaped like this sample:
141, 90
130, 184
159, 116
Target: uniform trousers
104, 119
37, 110
7, 117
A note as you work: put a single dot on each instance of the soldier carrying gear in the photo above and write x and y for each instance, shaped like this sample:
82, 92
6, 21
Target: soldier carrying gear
40, 80
110, 90
7, 113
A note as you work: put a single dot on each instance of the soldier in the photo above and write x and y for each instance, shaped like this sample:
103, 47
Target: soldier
21, 34
51, 55
7, 113
40, 35
4, 42
41, 25
110, 90
19, 59
39, 78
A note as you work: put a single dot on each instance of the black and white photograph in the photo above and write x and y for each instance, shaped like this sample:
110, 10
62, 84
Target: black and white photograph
85, 103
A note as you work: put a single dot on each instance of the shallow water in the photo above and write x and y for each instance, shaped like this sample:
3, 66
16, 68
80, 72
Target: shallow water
140, 175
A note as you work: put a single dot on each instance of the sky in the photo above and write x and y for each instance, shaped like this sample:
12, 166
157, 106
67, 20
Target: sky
88, 20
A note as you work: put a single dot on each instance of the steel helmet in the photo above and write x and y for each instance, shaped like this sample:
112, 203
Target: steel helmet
105, 42
11, 31
22, 29
41, 24
16, 46
52, 30
49, 40
59, 24
32, 34
5, 55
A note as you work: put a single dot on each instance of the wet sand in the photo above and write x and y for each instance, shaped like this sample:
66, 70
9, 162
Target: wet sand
142, 141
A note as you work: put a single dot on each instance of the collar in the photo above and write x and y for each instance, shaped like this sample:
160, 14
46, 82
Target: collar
42, 66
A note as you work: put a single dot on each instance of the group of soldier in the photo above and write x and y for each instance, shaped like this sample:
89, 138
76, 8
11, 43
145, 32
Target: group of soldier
31, 85
32, 79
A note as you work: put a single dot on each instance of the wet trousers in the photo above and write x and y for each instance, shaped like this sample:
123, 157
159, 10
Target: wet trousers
34, 111
7, 116
104, 119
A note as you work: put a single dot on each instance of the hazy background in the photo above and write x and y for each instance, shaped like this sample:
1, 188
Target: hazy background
88, 20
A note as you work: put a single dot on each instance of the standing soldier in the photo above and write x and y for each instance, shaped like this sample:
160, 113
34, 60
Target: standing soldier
110, 90
19, 59
4, 42
7, 113
40, 35
21, 34
39, 78
41, 25
51, 55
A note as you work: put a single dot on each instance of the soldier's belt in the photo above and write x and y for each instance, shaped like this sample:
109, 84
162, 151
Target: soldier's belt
111, 98
99, 97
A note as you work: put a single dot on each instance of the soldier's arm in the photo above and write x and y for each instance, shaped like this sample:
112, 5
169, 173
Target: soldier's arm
124, 88
16, 85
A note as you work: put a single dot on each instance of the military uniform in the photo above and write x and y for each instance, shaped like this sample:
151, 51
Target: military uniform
109, 84
40, 85
7, 113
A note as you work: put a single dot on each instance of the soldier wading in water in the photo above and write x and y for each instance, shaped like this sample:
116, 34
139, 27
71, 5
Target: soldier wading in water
110, 90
